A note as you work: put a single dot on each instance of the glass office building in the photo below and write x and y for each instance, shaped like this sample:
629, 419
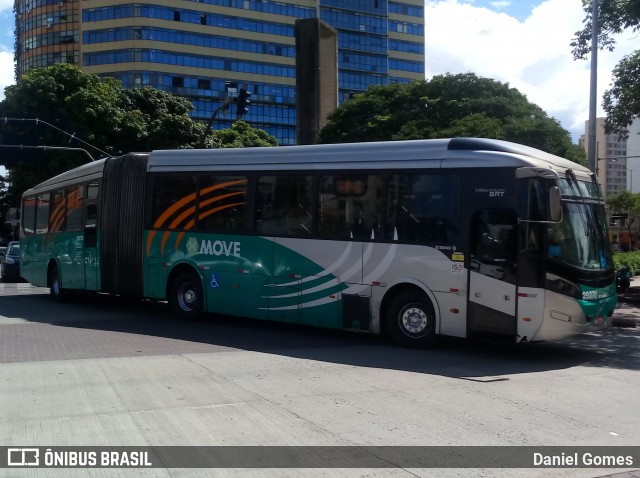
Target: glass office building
206, 50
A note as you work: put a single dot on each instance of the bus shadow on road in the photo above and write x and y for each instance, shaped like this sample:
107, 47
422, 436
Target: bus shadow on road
148, 328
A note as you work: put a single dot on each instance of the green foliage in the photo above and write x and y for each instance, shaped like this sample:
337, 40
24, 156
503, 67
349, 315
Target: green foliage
153, 119
614, 17
625, 202
448, 106
240, 135
102, 113
629, 259
622, 101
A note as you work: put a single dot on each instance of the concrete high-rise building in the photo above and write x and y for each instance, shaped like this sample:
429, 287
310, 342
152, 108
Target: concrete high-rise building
633, 156
611, 158
205, 50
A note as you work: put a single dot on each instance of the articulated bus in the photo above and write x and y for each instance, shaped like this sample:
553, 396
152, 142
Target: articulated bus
414, 239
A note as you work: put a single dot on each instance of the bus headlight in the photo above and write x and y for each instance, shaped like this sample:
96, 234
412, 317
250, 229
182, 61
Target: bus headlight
562, 286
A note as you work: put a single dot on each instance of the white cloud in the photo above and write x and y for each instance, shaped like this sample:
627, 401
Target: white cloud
6, 5
533, 56
500, 4
6, 71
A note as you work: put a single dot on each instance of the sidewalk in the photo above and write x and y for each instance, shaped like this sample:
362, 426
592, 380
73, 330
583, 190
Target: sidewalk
632, 296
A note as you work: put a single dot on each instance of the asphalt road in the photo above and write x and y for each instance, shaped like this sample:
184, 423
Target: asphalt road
101, 371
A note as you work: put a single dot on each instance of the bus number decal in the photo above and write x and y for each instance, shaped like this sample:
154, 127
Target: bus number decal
590, 294
457, 268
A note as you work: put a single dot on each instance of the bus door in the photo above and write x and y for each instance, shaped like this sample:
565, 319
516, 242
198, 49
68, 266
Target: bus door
492, 273
91, 257
70, 250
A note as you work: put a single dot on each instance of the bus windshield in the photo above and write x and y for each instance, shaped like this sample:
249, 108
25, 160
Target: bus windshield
580, 239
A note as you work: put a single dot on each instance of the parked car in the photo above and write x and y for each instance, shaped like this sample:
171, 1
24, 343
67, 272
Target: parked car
10, 266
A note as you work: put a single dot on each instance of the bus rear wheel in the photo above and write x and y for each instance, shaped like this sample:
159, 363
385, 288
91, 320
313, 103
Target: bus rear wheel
55, 285
411, 319
186, 296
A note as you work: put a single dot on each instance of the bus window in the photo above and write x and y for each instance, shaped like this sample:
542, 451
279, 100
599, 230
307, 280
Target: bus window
92, 190
92, 215
423, 208
57, 220
75, 200
283, 205
42, 214
350, 207
28, 215
174, 202
221, 203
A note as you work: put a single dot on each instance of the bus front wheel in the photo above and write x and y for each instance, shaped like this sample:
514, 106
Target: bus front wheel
186, 296
411, 319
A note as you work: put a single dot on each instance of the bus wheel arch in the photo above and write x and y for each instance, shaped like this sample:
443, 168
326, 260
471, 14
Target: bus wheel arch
186, 293
54, 281
409, 315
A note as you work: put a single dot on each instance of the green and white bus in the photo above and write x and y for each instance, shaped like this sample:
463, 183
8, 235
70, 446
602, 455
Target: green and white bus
462, 237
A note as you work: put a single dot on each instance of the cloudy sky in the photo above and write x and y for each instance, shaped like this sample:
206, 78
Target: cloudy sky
523, 43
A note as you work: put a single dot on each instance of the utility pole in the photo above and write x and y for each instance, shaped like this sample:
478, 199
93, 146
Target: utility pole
593, 96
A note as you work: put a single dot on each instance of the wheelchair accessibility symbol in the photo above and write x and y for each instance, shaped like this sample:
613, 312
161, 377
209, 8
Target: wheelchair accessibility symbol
213, 281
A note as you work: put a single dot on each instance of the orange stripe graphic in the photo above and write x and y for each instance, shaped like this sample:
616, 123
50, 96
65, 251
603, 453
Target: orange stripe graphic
203, 215
183, 202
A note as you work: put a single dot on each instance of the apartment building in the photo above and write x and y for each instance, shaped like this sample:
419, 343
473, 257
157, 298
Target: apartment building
206, 50
611, 158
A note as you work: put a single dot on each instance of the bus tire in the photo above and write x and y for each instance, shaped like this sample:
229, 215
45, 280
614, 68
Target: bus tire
411, 319
55, 285
186, 296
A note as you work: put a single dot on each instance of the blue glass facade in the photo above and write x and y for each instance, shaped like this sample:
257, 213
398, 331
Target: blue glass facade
206, 50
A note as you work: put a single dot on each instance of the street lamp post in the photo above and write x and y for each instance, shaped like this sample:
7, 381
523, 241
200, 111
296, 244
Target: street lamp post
223, 107
592, 161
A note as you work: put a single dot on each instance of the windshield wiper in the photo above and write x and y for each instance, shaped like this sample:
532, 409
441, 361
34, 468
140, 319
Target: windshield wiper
575, 187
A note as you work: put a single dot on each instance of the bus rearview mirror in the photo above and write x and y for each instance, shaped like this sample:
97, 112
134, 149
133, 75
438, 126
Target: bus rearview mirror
555, 204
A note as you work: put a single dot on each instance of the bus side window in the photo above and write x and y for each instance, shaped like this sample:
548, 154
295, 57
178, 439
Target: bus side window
90, 232
75, 203
350, 207
174, 202
42, 214
423, 208
284, 205
92, 215
221, 204
93, 190
57, 219
29, 216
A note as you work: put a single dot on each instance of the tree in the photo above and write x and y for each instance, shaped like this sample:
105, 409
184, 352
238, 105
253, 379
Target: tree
447, 106
622, 101
99, 111
625, 203
240, 135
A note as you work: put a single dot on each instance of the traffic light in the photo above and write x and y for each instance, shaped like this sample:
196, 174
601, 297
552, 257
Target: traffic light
242, 102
